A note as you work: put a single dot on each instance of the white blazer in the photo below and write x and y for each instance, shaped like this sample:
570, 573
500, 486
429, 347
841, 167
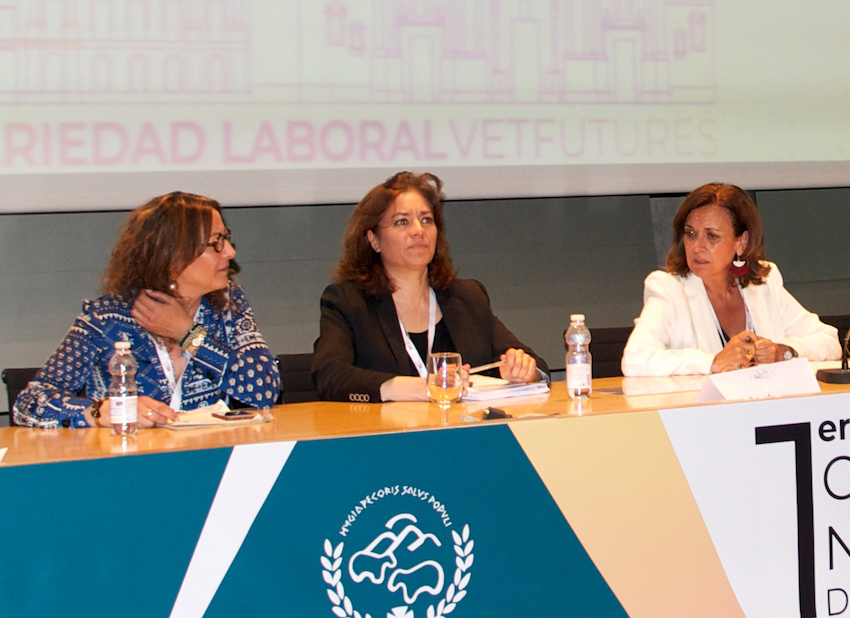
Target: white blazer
676, 333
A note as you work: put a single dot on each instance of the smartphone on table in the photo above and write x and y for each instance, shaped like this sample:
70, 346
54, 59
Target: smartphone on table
235, 415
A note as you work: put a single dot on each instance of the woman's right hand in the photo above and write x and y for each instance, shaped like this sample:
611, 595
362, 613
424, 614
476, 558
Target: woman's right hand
738, 353
411, 388
161, 314
404, 388
151, 413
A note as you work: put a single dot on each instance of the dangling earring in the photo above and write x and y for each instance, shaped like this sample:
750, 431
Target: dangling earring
172, 286
739, 267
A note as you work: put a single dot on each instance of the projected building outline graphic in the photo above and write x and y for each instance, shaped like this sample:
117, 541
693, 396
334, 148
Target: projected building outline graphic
81, 51
359, 51
509, 51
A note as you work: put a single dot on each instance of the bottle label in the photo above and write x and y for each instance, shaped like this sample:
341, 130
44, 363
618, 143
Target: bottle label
123, 410
578, 376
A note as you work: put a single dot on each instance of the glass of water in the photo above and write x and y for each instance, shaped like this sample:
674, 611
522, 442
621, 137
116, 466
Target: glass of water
445, 380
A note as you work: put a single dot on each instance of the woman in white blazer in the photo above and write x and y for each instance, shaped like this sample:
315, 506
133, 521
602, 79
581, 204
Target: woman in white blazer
719, 305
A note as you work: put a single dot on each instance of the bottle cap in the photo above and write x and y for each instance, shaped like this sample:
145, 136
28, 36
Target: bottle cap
577, 317
122, 345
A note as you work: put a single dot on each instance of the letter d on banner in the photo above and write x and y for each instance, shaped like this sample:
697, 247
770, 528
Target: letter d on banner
830, 598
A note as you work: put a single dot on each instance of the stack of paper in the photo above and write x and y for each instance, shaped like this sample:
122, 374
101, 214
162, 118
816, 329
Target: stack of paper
203, 417
485, 388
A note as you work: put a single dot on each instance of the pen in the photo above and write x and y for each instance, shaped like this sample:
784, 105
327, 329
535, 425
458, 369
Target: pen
486, 367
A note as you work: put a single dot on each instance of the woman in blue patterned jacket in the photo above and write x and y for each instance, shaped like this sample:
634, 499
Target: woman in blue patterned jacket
169, 292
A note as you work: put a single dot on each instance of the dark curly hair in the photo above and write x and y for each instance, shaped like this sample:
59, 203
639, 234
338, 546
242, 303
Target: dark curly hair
745, 218
362, 265
157, 242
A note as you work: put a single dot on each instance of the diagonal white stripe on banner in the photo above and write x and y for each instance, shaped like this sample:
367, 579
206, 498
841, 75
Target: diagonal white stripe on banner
248, 478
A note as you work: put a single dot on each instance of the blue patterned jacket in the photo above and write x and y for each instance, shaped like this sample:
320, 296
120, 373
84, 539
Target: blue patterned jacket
234, 361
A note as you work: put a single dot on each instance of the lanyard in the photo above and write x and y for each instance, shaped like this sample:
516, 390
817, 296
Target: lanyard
168, 369
747, 318
412, 352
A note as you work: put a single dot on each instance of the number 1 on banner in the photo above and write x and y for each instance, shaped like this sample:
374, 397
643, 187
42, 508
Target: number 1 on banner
801, 435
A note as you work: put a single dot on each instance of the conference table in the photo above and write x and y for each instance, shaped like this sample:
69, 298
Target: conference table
634, 502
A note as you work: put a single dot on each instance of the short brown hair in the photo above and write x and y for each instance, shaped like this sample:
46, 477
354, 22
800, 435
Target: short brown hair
362, 265
745, 218
157, 242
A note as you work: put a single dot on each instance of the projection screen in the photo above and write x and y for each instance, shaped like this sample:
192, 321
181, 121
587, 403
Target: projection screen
108, 102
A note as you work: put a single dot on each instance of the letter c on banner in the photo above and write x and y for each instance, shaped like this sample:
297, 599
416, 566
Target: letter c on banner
826, 478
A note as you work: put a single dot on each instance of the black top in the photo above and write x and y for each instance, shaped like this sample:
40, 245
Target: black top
442, 342
360, 345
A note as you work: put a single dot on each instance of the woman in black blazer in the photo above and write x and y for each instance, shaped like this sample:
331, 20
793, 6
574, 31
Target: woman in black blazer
397, 298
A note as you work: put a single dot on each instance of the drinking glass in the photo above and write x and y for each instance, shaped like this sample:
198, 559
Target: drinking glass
445, 381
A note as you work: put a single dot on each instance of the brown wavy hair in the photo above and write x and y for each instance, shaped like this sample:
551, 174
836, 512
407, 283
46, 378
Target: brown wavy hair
745, 218
362, 265
157, 242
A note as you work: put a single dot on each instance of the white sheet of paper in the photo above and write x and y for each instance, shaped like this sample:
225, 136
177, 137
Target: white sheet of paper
203, 417
482, 382
792, 377
487, 388
3, 453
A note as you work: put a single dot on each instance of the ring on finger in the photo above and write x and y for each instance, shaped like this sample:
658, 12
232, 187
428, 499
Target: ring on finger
749, 354
150, 412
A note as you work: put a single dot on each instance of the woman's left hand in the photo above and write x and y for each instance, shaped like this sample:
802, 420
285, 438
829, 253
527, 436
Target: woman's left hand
153, 412
519, 366
161, 314
769, 352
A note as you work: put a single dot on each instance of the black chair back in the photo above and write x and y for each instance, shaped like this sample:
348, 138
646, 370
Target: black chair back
16, 380
296, 378
841, 322
606, 346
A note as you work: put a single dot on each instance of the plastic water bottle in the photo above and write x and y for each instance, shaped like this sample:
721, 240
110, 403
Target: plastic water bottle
123, 395
579, 371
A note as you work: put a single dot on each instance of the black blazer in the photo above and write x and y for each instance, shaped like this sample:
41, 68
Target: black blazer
360, 344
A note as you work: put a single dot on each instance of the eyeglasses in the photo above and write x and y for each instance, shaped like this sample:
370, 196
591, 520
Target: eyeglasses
218, 243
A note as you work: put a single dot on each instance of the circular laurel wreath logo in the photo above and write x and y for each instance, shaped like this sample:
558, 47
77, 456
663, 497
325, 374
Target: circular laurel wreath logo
456, 591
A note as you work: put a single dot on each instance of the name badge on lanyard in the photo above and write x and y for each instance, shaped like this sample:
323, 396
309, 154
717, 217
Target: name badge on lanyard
175, 385
412, 352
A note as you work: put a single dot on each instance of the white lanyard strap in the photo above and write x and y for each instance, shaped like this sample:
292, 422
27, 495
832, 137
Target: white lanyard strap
412, 352
748, 318
168, 370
